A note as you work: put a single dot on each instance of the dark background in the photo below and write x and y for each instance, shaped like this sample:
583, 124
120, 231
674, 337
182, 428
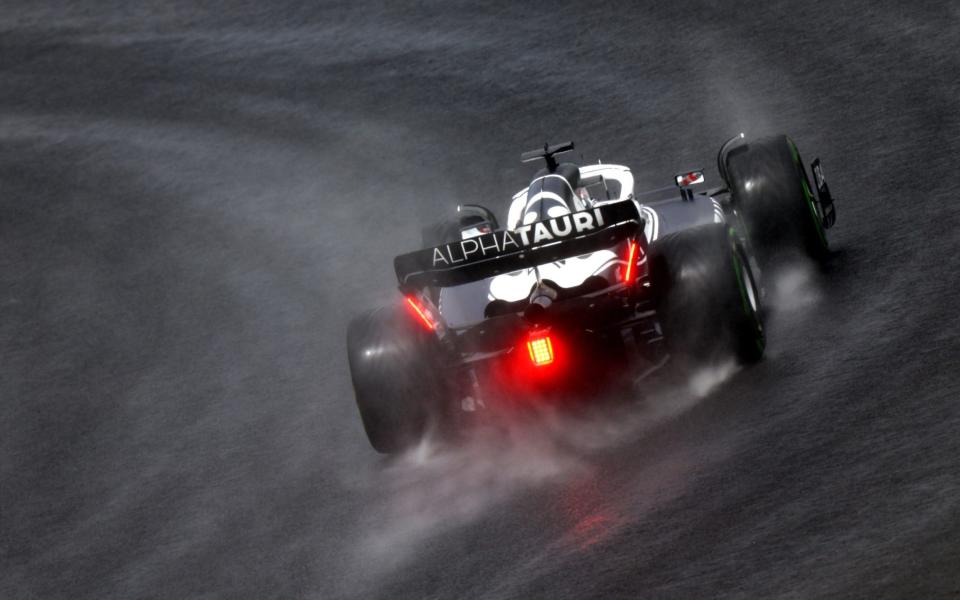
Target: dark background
195, 197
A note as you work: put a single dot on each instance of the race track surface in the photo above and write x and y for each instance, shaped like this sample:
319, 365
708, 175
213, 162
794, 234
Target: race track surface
195, 197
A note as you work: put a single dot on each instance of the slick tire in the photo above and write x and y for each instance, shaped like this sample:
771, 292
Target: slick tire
770, 189
444, 232
709, 301
437, 234
396, 380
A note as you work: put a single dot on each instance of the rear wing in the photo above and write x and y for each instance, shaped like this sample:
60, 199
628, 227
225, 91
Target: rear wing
527, 246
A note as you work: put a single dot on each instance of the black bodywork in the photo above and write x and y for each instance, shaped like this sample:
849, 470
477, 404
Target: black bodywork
661, 274
599, 318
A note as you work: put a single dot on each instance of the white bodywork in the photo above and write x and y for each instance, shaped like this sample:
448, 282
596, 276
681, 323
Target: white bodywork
573, 271
614, 173
464, 305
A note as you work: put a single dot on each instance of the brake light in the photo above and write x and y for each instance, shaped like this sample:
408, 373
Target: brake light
421, 312
629, 272
541, 350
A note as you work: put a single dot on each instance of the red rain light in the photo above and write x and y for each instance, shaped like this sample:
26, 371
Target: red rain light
541, 351
421, 313
628, 274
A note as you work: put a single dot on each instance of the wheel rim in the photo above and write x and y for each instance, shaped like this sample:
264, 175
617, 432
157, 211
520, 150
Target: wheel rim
748, 291
749, 295
746, 284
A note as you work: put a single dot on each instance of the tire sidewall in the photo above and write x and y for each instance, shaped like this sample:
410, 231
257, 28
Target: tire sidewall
705, 310
396, 375
772, 192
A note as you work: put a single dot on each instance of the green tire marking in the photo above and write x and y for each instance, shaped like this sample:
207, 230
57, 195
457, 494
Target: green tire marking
794, 151
817, 224
738, 271
747, 308
808, 196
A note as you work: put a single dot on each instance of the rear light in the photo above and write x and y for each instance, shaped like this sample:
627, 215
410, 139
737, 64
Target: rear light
541, 350
629, 273
421, 312
687, 179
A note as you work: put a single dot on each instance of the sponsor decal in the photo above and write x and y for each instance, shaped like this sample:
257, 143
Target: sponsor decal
491, 244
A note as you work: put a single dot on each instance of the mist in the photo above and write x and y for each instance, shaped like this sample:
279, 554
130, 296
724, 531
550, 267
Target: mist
196, 199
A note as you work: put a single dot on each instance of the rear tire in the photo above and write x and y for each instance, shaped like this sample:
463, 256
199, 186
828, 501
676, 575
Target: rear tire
394, 368
451, 230
771, 191
709, 300
437, 234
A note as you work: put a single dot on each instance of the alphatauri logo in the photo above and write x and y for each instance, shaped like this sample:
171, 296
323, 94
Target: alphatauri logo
521, 237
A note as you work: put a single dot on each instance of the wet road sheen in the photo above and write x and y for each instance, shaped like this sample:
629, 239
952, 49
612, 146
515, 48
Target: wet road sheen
196, 197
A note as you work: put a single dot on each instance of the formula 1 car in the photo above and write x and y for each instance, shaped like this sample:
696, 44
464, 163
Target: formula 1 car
587, 279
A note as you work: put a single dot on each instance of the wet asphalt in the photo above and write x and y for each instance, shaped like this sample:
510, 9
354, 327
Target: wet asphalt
195, 197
